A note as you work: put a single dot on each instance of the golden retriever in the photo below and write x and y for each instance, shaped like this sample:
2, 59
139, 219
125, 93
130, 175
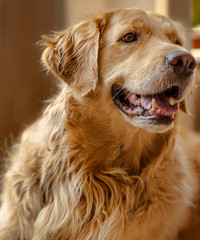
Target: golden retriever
105, 160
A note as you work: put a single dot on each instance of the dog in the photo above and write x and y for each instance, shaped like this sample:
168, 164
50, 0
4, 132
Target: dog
107, 159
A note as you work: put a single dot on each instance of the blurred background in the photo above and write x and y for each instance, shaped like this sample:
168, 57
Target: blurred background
24, 85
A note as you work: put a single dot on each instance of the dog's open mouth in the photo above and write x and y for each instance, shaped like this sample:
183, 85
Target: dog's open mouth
160, 107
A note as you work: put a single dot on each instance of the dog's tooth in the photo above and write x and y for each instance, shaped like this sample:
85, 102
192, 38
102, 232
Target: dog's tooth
178, 105
172, 101
153, 104
135, 98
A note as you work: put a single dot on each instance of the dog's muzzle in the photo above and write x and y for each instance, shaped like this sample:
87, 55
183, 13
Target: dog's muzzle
159, 106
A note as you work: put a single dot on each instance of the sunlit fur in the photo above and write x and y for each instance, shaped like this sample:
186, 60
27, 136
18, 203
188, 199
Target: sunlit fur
83, 170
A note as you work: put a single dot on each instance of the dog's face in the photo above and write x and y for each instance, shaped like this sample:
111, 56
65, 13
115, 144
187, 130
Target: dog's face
138, 59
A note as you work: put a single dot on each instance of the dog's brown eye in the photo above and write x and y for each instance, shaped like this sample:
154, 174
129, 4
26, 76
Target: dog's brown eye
129, 37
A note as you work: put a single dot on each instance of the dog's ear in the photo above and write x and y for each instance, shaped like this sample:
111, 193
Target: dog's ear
73, 55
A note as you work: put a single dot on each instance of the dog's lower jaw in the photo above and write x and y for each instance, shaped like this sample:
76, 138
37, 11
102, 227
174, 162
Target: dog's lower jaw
150, 125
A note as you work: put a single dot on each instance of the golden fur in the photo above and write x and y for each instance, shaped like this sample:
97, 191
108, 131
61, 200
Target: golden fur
84, 170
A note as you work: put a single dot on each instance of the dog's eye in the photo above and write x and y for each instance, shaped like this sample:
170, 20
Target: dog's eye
129, 37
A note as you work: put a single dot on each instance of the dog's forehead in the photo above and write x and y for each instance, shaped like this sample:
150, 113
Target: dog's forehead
127, 19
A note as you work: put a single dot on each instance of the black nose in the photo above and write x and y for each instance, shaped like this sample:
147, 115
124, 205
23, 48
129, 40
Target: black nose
182, 62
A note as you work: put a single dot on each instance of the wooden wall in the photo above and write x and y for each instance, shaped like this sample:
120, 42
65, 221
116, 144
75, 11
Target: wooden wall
79, 8
23, 84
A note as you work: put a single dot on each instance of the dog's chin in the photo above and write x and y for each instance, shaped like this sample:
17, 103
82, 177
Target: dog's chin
152, 125
153, 112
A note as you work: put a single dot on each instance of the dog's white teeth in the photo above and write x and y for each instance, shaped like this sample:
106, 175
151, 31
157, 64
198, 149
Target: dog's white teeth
178, 105
135, 98
153, 104
172, 101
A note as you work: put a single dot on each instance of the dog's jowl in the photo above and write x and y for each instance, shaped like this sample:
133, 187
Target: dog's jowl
107, 160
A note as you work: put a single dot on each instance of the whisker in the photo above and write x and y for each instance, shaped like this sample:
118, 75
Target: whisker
115, 95
127, 94
121, 89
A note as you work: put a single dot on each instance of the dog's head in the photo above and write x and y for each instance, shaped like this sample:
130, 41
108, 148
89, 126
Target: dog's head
136, 57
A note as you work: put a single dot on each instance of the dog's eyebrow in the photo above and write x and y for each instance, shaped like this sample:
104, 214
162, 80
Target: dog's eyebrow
141, 24
173, 36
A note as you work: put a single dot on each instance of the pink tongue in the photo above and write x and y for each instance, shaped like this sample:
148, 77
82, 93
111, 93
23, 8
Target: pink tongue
162, 103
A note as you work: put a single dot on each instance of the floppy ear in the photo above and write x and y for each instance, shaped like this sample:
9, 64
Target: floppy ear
73, 56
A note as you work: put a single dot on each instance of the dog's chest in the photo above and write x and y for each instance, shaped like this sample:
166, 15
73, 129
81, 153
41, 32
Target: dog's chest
156, 223
166, 214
